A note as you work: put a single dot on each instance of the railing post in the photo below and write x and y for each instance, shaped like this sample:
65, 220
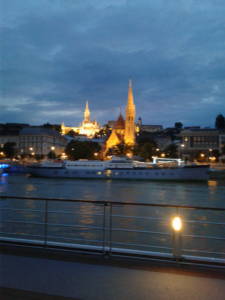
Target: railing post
103, 228
110, 228
107, 228
46, 224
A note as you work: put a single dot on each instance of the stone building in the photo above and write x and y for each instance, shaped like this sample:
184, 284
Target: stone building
87, 127
199, 141
40, 141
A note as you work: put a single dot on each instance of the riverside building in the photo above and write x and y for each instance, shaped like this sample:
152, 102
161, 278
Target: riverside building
40, 141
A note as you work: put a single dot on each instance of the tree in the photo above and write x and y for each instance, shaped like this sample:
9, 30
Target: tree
178, 125
72, 133
39, 156
171, 151
56, 127
120, 150
146, 148
51, 155
220, 122
82, 150
9, 149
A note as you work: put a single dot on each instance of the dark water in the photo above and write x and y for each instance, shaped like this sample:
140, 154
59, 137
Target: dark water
203, 194
135, 226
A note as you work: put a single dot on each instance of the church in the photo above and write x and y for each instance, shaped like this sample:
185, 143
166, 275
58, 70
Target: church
124, 131
87, 127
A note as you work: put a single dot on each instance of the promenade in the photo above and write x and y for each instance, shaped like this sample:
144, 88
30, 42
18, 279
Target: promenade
51, 276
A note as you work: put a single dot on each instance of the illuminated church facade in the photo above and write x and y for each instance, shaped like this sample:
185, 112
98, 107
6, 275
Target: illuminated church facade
87, 127
124, 131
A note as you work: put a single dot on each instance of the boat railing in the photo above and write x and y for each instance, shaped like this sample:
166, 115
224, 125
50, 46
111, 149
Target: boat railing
164, 231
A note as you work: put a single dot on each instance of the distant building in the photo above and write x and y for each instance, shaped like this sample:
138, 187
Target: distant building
197, 141
151, 128
9, 133
111, 124
40, 141
87, 127
124, 131
221, 141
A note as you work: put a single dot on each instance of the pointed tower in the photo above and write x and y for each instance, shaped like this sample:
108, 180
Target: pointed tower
87, 114
129, 137
63, 128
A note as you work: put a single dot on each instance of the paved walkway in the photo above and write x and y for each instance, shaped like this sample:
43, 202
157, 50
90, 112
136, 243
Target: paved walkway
105, 280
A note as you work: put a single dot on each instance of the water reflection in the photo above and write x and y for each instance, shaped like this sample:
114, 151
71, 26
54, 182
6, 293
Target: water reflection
124, 191
30, 188
3, 182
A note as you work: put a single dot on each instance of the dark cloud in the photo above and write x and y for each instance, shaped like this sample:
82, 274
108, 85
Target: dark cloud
57, 54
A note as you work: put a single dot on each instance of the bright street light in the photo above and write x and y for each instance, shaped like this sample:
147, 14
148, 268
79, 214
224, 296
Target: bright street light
177, 223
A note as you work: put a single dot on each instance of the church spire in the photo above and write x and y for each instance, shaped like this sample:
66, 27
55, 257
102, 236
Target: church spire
130, 98
130, 118
87, 113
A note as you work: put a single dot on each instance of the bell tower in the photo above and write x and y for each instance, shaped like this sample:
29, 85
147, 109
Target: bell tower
87, 114
129, 137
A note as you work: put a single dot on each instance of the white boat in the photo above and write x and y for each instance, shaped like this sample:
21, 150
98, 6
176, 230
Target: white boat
121, 168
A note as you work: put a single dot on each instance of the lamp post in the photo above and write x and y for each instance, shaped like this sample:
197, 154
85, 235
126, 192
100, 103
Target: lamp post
177, 238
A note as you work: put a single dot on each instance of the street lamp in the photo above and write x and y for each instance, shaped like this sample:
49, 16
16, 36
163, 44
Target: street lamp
177, 238
176, 223
52, 148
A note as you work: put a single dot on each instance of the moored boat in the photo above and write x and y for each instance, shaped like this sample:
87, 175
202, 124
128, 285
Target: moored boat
121, 168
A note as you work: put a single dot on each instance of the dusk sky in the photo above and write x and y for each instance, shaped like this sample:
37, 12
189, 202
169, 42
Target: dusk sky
57, 54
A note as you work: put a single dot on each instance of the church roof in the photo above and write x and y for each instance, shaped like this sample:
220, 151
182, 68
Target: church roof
120, 123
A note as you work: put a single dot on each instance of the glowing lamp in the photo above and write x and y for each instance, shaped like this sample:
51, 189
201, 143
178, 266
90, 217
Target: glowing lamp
176, 223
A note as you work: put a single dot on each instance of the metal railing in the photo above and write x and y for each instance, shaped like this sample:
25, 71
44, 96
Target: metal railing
116, 227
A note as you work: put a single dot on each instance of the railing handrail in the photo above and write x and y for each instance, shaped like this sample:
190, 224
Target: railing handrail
105, 202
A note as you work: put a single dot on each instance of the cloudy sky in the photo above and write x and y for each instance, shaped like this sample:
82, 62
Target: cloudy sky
56, 54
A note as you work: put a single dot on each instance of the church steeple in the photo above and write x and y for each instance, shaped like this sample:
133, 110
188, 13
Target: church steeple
129, 136
130, 99
87, 113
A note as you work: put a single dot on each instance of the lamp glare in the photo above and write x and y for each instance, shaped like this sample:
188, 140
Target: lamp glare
177, 223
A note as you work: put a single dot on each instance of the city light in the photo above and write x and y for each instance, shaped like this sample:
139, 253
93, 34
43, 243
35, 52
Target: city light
176, 223
212, 158
52, 148
63, 156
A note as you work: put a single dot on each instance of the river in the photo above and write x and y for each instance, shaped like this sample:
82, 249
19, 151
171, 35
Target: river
211, 193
